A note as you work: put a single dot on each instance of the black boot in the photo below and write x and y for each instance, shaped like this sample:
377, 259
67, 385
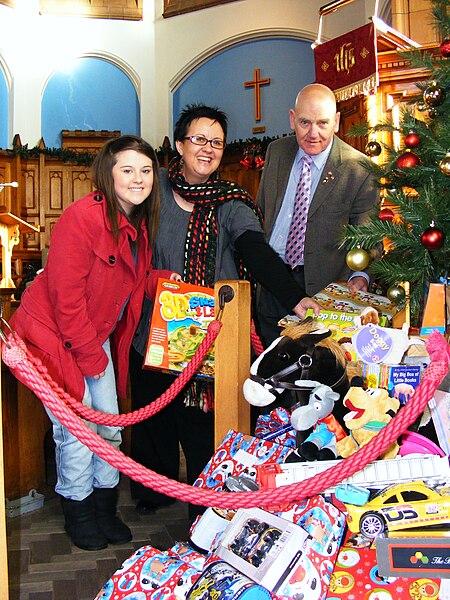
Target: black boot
105, 503
81, 525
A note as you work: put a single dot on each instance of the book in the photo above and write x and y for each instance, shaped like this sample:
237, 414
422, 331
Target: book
179, 323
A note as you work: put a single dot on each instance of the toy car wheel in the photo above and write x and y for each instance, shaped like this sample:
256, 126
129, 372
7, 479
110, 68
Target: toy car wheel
371, 525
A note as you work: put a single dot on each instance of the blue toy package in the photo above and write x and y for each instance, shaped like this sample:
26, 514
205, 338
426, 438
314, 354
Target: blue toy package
221, 581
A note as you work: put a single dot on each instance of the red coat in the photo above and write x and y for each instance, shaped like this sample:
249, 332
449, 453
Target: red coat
74, 304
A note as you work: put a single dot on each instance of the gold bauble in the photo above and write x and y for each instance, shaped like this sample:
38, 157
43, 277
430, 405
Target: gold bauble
444, 165
357, 259
396, 293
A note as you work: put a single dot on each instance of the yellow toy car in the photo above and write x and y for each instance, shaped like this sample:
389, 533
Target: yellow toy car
400, 506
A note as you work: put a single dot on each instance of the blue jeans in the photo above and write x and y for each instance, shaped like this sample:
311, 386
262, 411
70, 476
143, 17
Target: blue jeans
78, 470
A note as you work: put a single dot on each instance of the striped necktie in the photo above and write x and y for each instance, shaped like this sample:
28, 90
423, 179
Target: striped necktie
296, 238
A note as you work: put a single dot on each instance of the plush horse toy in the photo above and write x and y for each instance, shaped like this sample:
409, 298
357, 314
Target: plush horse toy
304, 351
318, 426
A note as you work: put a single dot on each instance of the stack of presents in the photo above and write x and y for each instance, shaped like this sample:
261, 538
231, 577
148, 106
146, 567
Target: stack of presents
383, 533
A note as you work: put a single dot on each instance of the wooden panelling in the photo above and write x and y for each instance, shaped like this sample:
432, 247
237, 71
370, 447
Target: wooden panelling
99, 9
178, 7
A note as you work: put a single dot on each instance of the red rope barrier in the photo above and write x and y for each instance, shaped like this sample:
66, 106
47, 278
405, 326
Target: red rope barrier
16, 357
125, 419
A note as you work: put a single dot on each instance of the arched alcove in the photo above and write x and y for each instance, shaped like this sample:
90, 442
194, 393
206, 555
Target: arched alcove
220, 78
5, 86
89, 93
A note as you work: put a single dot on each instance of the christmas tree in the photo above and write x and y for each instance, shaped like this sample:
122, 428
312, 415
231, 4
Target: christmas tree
413, 223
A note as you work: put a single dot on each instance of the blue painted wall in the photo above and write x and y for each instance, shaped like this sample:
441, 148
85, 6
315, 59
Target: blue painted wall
3, 111
89, 94
220, 81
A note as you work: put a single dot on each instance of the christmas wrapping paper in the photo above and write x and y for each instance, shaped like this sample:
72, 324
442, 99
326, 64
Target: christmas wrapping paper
356, 577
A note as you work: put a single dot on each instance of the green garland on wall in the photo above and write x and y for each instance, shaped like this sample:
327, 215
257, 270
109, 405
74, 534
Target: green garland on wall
251, 145
64, 154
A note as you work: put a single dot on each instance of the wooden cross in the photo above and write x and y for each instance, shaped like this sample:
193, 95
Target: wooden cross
257, 83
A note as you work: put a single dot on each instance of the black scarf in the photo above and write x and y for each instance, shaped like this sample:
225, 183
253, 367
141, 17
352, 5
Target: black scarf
201, 239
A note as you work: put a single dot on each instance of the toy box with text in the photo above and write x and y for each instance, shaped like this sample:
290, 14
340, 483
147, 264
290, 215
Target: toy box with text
180, 319
423, 553
399, 380
340, 308
356, 576
266, 548
337, 297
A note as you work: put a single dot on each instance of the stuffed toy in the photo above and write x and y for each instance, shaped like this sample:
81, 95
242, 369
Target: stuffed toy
317, 428
370, 410
371, 338
304, 352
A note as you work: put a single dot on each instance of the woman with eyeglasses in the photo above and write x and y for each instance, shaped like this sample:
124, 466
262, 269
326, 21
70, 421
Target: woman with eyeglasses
210, 230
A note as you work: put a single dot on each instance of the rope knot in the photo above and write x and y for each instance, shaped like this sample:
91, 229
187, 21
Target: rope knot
14, 352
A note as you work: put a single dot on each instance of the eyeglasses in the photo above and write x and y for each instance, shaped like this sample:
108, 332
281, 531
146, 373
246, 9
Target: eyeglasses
200, 140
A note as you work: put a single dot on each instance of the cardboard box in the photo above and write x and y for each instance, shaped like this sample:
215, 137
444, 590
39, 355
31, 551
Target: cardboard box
337, 297
179, 324
425, 554
356, 575
434, 316
399, 380
266, 548
340, 307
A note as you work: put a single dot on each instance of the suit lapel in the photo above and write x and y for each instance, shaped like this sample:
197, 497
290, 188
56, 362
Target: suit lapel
286, 160
329, 179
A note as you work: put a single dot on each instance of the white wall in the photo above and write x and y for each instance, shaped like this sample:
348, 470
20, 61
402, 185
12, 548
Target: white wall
157, 53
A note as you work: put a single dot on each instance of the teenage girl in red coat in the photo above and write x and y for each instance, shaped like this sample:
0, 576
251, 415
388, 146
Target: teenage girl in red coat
79, 316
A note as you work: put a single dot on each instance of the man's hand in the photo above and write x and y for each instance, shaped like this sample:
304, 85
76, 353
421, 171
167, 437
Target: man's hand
305, 303
358, 284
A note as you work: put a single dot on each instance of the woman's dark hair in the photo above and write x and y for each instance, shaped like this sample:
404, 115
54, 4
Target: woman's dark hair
191, 112
102, 168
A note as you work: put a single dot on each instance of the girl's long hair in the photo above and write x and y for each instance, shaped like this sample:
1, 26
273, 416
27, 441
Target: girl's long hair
102, 167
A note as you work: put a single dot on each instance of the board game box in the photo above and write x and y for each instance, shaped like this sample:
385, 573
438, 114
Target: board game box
179, 324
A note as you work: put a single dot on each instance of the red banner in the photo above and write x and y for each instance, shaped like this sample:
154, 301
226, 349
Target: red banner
348, 64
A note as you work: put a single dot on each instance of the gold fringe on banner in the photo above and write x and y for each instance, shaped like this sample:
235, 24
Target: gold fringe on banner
364, 86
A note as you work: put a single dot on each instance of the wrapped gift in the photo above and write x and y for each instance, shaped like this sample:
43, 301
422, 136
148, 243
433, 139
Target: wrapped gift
151, 574
356, 577
239, 454
276, 427
325, 524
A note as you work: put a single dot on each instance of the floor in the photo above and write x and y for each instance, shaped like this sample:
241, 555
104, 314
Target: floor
44, 565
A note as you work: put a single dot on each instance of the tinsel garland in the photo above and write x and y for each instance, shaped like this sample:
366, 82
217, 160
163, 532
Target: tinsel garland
86, 158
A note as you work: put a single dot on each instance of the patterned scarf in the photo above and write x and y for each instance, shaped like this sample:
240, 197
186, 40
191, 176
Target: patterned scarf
201, 248
201, 239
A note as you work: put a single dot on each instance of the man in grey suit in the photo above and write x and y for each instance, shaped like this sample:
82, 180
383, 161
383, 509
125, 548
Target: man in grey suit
342, 191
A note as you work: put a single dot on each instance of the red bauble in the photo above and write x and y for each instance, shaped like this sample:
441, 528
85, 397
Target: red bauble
259, 162
386, 214
432, 238
407, 160
247, 161
445, 48
412, 140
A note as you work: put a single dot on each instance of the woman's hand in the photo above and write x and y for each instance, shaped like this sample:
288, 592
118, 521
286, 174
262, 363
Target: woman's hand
305, 303
102, 374
176, 277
